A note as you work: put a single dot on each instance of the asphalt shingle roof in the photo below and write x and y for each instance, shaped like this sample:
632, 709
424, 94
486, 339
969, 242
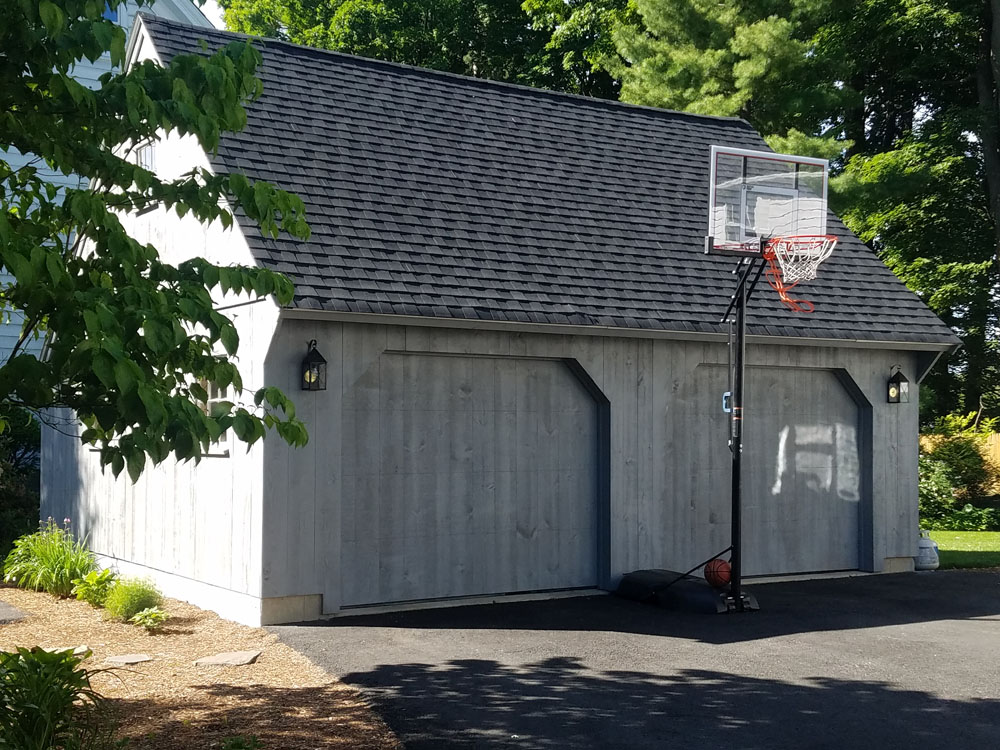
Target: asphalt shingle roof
437, 195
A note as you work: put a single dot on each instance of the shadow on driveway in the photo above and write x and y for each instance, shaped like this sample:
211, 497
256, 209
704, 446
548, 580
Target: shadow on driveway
880, 662
561, 703
786, 608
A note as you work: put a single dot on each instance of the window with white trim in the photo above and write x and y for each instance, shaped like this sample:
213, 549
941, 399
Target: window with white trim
144, 156
217, 394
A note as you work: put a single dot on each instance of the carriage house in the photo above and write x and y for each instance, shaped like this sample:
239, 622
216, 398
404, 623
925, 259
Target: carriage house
525, 363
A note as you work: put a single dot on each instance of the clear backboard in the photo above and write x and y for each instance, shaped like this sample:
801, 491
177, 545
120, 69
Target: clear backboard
756, 196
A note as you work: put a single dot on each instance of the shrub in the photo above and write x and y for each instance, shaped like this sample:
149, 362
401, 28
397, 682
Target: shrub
939, 508
151, 618
49, 703
936, 493
48, 560
959, 443
94, 587
129, 596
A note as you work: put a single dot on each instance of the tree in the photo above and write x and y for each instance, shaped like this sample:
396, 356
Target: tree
747, 59
580, 52
130, 338
902, 95
548, 43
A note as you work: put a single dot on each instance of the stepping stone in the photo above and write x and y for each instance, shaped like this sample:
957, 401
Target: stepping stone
77, 650
126, 660
229, 659
10, 614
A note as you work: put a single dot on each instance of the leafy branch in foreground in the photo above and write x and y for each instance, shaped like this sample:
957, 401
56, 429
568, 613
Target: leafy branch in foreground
131, 339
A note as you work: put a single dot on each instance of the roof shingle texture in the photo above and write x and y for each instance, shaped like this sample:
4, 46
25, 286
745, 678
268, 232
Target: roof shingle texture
437, 195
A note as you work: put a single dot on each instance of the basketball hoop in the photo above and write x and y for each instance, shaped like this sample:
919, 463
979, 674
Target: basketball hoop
793, 259
769, 211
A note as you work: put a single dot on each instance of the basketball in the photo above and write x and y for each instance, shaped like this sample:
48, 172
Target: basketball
717, 573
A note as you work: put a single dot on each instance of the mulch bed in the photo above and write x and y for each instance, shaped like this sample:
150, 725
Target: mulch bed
169, 704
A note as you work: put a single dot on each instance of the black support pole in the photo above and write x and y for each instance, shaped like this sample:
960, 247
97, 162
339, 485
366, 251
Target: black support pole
748, 273
736, 440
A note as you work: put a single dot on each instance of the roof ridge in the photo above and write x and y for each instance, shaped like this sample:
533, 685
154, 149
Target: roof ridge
432, 73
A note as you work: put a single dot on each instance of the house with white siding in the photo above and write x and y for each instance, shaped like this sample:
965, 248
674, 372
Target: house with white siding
524, 360
185, 11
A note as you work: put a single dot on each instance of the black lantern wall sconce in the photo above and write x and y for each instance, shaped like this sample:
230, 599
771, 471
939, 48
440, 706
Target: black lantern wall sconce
313, 369
898, 390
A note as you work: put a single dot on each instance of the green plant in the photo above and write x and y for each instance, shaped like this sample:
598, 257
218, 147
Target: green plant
48, 703
959, 442
936, 494
941, 509
94, 587
48, 560
239, 742
151, 618
130, 596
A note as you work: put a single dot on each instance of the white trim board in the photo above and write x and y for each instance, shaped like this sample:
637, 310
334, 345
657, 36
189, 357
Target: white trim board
231, 605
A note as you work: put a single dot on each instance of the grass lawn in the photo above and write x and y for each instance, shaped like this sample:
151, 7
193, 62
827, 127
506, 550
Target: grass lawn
968, 549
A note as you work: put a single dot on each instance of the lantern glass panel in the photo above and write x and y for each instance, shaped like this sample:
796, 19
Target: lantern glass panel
313, 370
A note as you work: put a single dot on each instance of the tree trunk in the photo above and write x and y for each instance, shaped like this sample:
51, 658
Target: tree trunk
995, 41
988, 88
854, 119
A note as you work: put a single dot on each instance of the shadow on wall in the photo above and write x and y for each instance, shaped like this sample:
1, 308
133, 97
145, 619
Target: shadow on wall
786, 608
62, 474
557, 703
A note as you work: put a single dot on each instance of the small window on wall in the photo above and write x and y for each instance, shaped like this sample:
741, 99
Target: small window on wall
215, 395
110, 14
144, 156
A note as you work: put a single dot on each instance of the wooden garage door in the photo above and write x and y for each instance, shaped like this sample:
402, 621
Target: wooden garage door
467, 476
801, 469
803, 488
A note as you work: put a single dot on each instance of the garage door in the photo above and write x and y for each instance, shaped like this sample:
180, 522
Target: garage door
467, 476
804, 494
801, 469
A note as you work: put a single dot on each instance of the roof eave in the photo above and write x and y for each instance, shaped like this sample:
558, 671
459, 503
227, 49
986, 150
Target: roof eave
289, 313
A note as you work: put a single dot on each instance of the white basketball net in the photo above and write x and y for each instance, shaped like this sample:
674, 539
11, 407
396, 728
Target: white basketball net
799, 256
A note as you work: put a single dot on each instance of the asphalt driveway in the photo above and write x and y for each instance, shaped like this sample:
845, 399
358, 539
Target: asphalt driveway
902, 661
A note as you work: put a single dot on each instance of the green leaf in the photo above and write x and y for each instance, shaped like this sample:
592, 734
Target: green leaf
125, 376
158, 336
117, 464
243, 426
199, 392
151, 400
52, 16
230, 338
104, 368
21, 268
136, 461
220, 409
54, 265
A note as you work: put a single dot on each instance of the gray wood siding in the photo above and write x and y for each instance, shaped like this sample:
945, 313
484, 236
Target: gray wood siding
199, 521
466, 475
803, 498
668, 459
